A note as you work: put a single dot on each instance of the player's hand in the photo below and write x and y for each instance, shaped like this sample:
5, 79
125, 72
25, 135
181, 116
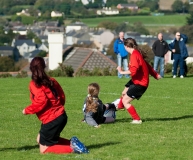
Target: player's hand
24, 112
159, 77
97, 126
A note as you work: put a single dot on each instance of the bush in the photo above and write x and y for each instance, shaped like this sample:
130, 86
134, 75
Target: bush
168, 68
5, 75
22, 74
61, 71
96, 72
82, 72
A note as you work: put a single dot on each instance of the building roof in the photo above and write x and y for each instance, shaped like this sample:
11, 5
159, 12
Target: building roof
7, 48
84, 42
71, 33
98, 32
34, 53
19, 42
87, 59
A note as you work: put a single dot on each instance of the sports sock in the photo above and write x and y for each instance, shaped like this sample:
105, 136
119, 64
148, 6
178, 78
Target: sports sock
63, 141
120, 105
59, 149
133, 113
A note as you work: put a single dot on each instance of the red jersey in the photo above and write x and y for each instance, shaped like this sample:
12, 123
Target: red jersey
140, 69
45, 105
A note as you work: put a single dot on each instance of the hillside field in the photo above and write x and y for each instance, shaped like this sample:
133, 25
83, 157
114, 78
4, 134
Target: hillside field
150, 22
166, 110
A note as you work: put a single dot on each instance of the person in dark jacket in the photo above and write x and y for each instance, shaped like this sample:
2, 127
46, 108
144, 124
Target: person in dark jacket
122, 54
180, 53
94, 109
160, 48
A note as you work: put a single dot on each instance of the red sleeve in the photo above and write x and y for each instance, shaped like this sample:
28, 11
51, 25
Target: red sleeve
133, 64
39, 99
60, 92
152, 72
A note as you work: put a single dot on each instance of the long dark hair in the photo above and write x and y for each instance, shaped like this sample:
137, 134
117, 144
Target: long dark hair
92, 98
39, 76
131, 43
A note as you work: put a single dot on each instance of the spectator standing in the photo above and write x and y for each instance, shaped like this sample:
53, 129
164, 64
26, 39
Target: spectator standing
160, 48
180, 53
122, 54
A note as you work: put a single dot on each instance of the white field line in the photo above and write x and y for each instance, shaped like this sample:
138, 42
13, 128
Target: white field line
150, 96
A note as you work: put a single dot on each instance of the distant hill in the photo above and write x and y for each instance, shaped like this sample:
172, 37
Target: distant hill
163, 4
167, 4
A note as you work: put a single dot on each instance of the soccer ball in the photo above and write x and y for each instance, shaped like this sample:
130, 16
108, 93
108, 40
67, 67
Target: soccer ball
110, 113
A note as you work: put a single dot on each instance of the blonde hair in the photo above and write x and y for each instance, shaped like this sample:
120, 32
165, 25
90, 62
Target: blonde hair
92, 98
131, 43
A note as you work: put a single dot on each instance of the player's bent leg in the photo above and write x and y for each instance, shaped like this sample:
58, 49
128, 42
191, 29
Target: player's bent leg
109, 120
38, 138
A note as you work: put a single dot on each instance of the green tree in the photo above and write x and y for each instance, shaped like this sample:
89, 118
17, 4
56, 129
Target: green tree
187, 29
108, 25
139, 27
122, 27
110, 50
177, 6
114, 3
31, 35
6, 64
42, 54
190, 19
151, 4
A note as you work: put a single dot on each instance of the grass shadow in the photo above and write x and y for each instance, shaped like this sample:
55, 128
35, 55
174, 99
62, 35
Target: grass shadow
100, 145
168, 119
126, 120
23, 148
123, 120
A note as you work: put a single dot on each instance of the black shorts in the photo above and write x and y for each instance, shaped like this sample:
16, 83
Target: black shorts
50, 132
135, 91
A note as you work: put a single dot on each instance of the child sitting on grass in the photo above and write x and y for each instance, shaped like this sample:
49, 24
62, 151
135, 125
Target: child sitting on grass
95, 112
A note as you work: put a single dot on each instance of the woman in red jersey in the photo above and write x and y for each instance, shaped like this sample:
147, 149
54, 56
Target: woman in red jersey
139, 70
48, 101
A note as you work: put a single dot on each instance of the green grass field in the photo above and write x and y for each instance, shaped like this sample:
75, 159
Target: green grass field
166, 110
167, 20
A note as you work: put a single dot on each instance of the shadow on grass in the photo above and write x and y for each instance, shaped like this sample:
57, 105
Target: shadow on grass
123, 120
126, 120
100, 145
23, 148
168, 119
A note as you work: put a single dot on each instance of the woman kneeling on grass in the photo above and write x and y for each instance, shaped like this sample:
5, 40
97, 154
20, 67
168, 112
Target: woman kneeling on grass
94, 110
139, 70
48, 101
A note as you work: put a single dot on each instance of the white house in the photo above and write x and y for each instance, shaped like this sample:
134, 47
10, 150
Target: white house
24, 46
56, 14
107, 11
23, 12
85, 2
43, 47
20, 30
76, 26
102, 38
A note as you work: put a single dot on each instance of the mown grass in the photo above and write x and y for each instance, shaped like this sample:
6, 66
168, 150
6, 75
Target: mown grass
165, 108
156, 21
